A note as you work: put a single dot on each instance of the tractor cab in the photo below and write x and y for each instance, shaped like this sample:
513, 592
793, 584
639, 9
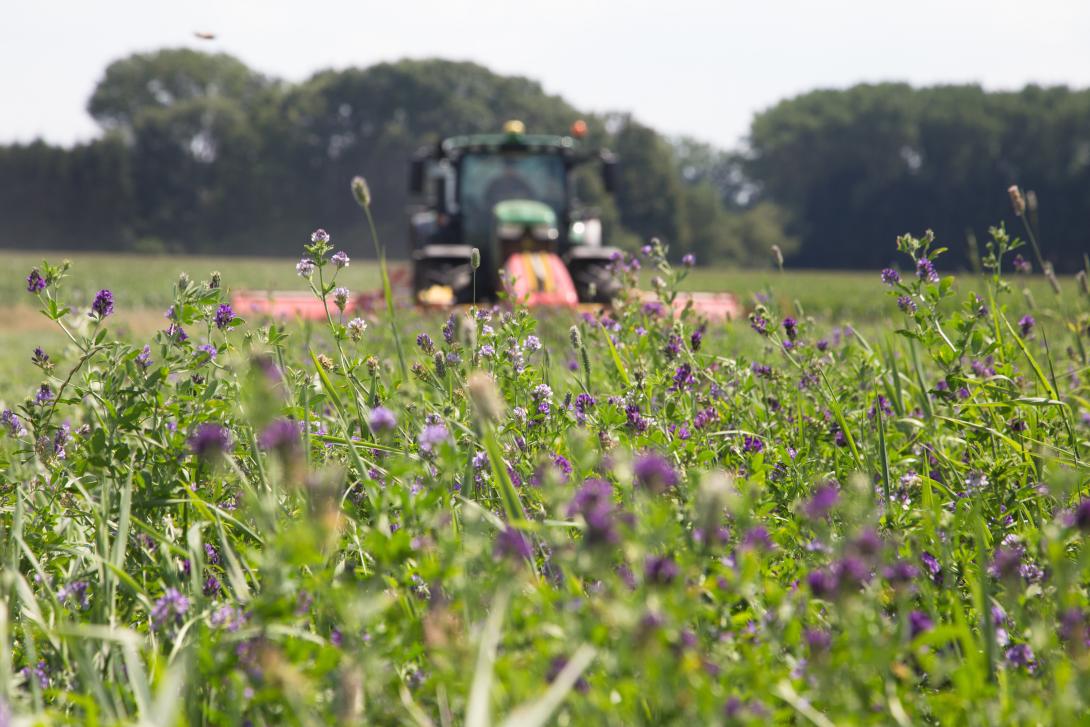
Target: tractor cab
510, 196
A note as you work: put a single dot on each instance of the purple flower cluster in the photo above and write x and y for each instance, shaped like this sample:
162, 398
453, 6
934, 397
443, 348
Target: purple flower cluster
103, 304
654, 473
224, 316
210, 440
594, 503
171, 606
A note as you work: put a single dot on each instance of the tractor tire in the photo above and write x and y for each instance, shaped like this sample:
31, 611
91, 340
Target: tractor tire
594, 281
451, 273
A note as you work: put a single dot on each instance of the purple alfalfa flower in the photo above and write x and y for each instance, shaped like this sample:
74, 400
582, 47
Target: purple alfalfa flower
227, 617
102, 305
823, 583
759, 324
880, 403
449, 329
74, 594
654, 473
1073, 628
867, 544
582, 403
673, 346
696, 338
41, 359
487, 350
60, 440
594, 502
900, 573
919, 623
1021, 655
752, 445
851, 570
906, 304
39, 672
35, 282
224, 316
822, 502
205, 353
533, 343
1005, 562
171, 606
305, 267
925, 271
211, 586
790, 327
44, 395
635, 420
211, 554
683, 378
1021, 265
381, 420
432, 436
688, 260
653, 308
512, 544
983, 369
426, 344
890, 277
210, 440
176, 332
1080, 516
13, 423
817, 641
319, 235
757, 538
660, 570
561, 463
281, 435
704, 417
143, 359
933, 567
340, 259
1026, 323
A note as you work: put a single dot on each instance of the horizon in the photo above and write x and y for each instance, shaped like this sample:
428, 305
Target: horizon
707, 81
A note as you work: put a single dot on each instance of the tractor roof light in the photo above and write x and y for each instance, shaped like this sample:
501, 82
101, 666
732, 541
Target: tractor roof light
514, 127
579, 129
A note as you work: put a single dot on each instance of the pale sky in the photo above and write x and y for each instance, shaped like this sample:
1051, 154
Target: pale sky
682, 66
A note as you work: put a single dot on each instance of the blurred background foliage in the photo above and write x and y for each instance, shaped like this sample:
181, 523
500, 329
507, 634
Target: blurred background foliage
201, 154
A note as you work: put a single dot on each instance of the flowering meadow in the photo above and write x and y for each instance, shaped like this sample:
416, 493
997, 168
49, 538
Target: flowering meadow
512, 517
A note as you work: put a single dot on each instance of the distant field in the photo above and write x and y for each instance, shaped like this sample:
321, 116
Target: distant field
142, 288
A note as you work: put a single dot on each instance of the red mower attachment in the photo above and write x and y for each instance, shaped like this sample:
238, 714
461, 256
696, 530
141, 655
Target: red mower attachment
540, 278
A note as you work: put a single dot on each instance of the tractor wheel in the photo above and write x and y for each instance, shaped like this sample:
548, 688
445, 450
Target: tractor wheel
444, 272
594, 281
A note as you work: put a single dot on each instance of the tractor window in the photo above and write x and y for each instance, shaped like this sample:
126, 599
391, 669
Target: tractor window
486, 179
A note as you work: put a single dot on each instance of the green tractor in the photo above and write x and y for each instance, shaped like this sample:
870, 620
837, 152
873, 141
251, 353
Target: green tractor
510, 196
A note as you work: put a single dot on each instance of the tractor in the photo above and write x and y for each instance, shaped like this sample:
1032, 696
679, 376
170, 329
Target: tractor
498, 213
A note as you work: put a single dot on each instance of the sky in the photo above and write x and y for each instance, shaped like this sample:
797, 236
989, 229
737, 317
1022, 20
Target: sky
686, 67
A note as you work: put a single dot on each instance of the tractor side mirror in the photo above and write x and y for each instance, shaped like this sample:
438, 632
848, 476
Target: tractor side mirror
416, 177
609, 172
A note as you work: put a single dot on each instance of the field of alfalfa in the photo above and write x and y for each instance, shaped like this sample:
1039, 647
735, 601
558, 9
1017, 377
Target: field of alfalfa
518, 517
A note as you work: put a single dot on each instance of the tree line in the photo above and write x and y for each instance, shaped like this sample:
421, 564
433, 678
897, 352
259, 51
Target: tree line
200, 153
